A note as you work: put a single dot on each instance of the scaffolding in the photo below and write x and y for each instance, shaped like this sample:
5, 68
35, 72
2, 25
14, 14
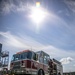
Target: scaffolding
4, 59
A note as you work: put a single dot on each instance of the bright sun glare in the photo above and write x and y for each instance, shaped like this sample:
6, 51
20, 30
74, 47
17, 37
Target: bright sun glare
37, 15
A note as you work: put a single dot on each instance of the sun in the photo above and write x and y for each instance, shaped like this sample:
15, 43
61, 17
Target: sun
37, 15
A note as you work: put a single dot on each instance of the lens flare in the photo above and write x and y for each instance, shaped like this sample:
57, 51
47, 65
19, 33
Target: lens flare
37, 4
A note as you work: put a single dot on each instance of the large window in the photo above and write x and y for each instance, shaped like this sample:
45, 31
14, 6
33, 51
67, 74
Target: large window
43, 57
25, 55
16, 57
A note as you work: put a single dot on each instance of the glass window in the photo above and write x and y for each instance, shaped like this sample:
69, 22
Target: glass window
41, 59
13, 58
35, 56
17, 57
29, 56
46, 58
25, 55
22, 56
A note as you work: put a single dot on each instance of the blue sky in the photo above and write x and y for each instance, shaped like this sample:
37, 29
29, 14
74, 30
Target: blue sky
56, 34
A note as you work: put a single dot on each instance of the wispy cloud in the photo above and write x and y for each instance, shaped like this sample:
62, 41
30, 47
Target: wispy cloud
27, 42
70, 4
20, 42
7, 6
66, 60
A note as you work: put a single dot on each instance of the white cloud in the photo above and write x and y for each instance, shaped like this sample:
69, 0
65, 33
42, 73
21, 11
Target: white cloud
6, 6
20, 42
66, 60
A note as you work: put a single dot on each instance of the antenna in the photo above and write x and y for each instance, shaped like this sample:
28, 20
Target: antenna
31, 48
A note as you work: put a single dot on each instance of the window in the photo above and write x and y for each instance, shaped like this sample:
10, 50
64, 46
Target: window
35, 56
46, 58
25, 55
41, 57
17, 57
29, 56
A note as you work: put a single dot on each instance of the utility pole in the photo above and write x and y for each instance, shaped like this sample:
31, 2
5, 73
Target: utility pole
0, 47
0, 53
